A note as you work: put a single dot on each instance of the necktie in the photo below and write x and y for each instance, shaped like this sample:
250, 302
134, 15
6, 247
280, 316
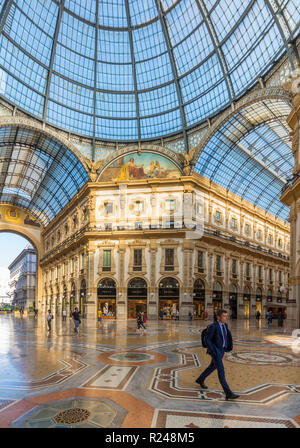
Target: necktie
224, 336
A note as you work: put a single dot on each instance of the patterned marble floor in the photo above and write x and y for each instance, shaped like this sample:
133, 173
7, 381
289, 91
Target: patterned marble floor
112, 377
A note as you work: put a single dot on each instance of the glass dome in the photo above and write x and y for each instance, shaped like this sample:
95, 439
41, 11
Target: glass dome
113, 70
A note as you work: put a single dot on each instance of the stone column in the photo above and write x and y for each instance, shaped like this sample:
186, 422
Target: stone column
291, 196
91, 288
153, 292
209, 292
186, 293
122, 293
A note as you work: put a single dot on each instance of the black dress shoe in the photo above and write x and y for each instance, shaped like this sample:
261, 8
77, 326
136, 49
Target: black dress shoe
201, 384
231, 396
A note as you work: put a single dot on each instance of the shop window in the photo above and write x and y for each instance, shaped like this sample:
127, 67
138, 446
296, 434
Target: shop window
279, 243
138, 226
271, 276
248, 271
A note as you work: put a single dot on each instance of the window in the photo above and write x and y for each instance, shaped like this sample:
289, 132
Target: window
64, 268
279, 242
270, 239
138, 206
137, 259
138, 226
108, 207
260, 273
247, 229
200, 259
170, 204
259, 234
233, 223
218, 216
270, 275
170, 223
218, 264
169, 259
82, 261
199, 209
248, 271
280, 277
106, 266
108, 226
234, 267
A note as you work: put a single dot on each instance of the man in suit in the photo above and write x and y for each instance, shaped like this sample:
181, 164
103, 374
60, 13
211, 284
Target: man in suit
218, 340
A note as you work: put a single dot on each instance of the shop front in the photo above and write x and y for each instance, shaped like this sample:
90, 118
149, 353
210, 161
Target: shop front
259, 300
82, 299
107, 294
233, 301
198, 299
136, 297
72, 297
64, 298
217, 297
246, 302
168, 294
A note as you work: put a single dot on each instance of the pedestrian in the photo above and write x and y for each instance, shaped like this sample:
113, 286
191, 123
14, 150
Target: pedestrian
140, 322
49, 319
64, 315
267, 318
99, 317
215, 316
35, 312
218, 340
206, 315
77, 321
257, 317
280, 318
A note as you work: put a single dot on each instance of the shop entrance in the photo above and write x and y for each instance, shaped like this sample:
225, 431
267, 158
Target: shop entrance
82, 299
72, 297
107, 293
258, 300
199, 299
168, 294
246, 300
217, 297
136, 297
233, 301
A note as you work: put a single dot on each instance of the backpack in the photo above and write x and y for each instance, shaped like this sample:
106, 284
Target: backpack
203, 336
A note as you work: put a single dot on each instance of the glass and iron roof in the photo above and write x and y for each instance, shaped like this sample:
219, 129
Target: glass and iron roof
127, 70
251, 156
37, 172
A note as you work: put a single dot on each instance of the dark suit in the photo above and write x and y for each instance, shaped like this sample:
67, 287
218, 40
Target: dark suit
214, 341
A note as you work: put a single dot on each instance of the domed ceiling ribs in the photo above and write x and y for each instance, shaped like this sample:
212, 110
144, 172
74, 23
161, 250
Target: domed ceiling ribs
53, 51
174, 70
218, 50
133, 70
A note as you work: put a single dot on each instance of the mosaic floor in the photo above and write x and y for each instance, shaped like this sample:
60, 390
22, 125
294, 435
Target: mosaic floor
112, 377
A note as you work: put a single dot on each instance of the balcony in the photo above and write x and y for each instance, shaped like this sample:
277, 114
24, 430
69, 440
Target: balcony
169, 268
248, 278
137, 268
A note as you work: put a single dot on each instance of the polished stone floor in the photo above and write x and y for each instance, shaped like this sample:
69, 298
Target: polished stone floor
112, 377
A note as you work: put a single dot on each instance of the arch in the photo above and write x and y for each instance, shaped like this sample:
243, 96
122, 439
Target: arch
48, 161
106, 297
199, 283
233, 289
167, 276
254, 97
107, 285
132, 277
217, 286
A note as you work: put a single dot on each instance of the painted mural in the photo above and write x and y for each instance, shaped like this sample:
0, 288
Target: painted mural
137, 167
14, 215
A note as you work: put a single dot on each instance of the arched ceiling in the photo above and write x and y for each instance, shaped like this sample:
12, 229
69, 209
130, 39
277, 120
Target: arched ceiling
250, 155
37, 172
135, 70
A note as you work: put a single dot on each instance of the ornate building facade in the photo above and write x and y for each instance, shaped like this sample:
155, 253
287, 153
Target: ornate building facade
147, 236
